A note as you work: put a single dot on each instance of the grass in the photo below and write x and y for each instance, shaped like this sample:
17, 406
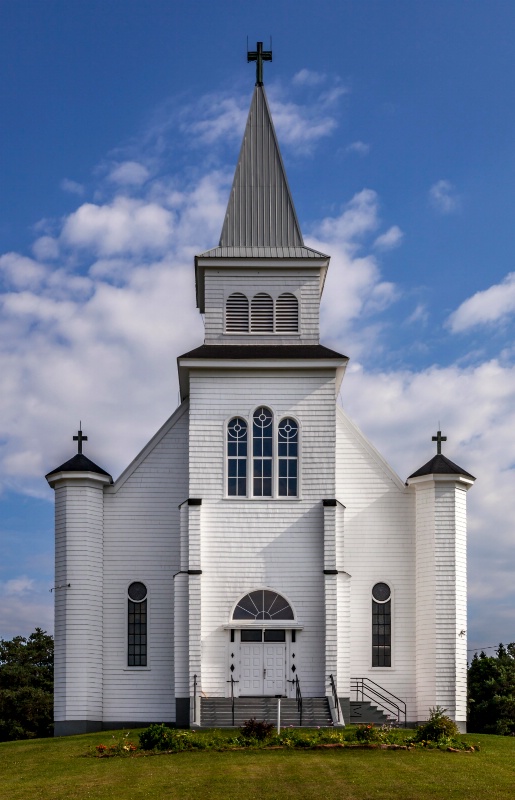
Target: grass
55, 769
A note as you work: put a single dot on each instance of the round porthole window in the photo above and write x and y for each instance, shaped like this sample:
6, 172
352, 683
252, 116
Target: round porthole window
381, 592
137, 592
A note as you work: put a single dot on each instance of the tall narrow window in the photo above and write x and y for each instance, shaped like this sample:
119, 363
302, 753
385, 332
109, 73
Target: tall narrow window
262, 449
237, 313
287, 313
237, 438
262, 313
137, 633
381, 625
288, 457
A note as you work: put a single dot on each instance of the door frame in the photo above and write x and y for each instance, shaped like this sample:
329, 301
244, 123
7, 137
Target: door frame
291, 656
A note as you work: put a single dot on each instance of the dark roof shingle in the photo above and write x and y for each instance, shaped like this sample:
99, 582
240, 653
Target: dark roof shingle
247, 351
79, 463
441, 465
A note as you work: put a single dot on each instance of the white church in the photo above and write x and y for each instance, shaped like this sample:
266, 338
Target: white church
259, 546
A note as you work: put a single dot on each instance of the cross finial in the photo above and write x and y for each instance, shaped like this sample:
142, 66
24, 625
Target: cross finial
259, 55
439, 439
80, 438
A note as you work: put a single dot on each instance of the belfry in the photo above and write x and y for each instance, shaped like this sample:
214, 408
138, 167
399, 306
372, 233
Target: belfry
259, 546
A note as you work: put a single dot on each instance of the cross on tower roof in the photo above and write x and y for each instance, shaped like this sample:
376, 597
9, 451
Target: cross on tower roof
79, 439
439, 439
259, 55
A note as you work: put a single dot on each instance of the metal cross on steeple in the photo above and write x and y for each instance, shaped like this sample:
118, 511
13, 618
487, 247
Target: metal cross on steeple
259, 55
79, 439
439, 439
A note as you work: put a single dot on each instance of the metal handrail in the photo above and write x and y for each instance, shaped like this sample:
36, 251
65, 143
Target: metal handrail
195, 698
232, 682
298, 697
335, 697
383, 698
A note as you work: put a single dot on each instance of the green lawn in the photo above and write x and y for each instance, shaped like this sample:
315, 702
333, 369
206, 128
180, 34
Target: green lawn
51, 769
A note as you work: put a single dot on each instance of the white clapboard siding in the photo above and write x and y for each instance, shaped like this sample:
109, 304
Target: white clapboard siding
141, 543
379, 545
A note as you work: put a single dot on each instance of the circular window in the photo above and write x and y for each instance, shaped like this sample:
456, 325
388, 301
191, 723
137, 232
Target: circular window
137, 592
381, 592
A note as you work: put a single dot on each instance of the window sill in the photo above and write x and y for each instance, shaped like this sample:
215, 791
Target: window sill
262, 499
137, 669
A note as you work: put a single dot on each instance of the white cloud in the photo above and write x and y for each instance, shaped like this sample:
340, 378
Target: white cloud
390, 239
308, 77
419, 314
443, 197
18, 586
72, 186
125, 225
129, 173
21, 272
359, 147
489, 306
46, 248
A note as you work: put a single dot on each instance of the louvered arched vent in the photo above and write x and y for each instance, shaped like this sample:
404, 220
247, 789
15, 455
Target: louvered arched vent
262, 314
287, 313
237, 313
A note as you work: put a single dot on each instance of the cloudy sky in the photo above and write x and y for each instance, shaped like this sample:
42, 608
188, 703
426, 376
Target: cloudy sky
119, 132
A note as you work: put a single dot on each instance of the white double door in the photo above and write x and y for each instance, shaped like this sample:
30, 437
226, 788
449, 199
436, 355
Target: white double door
262, 668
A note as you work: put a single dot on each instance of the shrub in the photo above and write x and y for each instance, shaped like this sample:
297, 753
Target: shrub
367, 734
438, 726
252, 729
157, 737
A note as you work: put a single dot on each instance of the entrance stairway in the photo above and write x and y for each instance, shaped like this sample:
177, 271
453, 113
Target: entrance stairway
364, 713
216, 712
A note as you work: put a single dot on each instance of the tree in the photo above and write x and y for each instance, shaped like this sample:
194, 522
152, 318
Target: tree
491, 692
26, 686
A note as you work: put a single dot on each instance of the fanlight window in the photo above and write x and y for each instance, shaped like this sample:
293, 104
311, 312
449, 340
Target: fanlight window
288, 456
262, 313
263, 604
287, 313
237, 437
237, 313
381, 625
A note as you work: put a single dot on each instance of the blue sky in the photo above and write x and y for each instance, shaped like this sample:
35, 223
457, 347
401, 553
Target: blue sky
120, 128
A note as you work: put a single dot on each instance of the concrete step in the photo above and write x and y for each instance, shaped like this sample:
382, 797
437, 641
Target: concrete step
216, 712
363, 712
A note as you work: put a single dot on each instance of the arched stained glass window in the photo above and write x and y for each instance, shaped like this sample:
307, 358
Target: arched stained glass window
381, 625
288, 457
287, 313
263, 604
137, 625
237, 313
237, 441
262, 313
262, 452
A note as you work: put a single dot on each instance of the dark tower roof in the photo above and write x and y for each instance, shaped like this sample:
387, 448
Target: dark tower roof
79, 463
441, 465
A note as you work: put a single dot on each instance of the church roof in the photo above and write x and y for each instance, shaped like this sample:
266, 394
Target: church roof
260, 212
441, 465
79, 463
256, 251
249, 351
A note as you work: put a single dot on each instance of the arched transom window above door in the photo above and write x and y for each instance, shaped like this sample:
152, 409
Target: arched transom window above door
263, 604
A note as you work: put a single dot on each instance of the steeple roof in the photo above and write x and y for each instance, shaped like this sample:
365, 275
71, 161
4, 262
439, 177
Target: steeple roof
260, 212
441, 465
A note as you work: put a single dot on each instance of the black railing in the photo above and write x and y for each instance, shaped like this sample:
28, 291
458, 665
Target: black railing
335, 697
194, 698
298, 698
232, 682
389, 702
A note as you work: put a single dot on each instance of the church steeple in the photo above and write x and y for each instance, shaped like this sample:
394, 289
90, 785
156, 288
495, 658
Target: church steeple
260, 212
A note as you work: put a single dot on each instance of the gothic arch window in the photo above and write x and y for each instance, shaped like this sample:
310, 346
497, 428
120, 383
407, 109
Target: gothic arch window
137, 625
288, 457
381, 625
263, 604
262, 313
237, 313
287, 313
262, 452
237, 446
